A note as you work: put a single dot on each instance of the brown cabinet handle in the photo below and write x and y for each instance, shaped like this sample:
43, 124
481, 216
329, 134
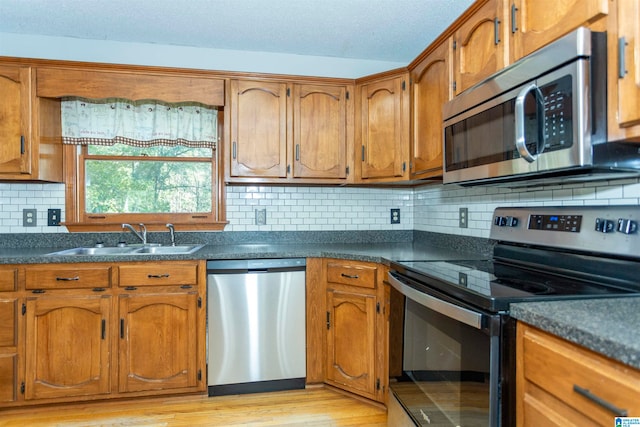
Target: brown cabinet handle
158, 276
348, 276
68, 279
600, 401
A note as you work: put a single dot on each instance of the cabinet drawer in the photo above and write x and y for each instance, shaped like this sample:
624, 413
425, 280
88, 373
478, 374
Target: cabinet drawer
352, 274
67, 277
8, 279
154, 274
562, 369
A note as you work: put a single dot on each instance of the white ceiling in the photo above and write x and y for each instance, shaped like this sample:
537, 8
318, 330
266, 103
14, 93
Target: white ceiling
387, 30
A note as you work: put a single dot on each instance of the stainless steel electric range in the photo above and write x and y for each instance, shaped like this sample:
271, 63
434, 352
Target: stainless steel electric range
452, 341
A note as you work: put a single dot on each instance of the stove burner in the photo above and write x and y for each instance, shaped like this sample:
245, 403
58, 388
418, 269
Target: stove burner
531, 287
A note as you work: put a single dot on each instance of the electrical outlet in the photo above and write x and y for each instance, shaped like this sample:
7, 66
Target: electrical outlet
463, 218
53, 217
261, 216
29, 217
395, 216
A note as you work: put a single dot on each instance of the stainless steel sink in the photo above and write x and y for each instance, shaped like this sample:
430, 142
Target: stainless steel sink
167, 250
130, 250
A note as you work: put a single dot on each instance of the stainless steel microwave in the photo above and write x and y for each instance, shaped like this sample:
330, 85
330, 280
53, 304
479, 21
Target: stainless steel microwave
541, 119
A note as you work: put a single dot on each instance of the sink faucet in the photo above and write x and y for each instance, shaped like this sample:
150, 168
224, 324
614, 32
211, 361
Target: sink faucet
142, 235
172, 233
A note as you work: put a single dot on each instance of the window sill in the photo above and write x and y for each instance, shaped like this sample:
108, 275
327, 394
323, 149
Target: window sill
117, 227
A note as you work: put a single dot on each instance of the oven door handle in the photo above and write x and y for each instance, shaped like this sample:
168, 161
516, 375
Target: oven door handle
466, 316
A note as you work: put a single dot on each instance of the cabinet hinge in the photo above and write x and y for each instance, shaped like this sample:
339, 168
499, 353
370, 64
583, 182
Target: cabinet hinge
378, 307
22, 144
22, 388
199, 302
404, 85
455, 45
24, 309
455, 87
347, 170
199, 374
328, 320
288, 168
377, 383
404, 167
288, 91
347, 95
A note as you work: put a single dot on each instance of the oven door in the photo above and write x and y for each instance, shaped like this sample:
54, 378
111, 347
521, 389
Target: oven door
445, 359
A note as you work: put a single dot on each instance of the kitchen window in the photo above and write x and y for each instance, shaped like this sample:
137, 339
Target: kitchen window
141, 162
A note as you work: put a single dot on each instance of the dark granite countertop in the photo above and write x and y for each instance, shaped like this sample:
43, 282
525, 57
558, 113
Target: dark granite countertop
373, 252
607, 326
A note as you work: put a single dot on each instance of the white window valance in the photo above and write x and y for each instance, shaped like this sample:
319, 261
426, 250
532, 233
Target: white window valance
138, 123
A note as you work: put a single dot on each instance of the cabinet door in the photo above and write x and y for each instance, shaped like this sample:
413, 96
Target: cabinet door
535, 23
320, 131
258, 129
385, 129
67, 346
629, 72
431, 88
480, 45
158, 341
351, 345
8, 349
15, 117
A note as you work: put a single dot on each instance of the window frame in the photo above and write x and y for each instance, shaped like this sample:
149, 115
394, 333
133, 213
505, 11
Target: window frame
78, 220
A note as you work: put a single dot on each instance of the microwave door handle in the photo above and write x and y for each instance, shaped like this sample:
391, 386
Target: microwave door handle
468, 317
521, 142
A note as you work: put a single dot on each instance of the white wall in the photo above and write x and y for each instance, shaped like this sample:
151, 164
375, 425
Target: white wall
428, 208
71, 49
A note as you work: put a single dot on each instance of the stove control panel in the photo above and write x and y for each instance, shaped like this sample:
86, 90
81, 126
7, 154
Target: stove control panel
569, 223
598, 229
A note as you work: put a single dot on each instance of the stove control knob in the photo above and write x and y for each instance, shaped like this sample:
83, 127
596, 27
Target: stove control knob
500, 221
511, 221
627, 226
604, 225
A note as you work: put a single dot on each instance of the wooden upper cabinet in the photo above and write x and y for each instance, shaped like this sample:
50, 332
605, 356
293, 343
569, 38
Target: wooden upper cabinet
628, 67
480, 45
97, 84
535, 23
320, 131
15, 120
384, 129
67, 346
431, 88
258, 129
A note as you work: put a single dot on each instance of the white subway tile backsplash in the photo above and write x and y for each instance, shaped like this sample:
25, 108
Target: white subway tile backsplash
429, 208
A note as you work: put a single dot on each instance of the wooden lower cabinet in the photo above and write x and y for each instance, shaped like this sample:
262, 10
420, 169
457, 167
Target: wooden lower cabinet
89, 331
559, 383
158, 341
9, 378
356, 343
350, 339
67, 346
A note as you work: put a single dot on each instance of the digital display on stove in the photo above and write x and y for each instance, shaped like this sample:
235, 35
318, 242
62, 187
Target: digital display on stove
568, 223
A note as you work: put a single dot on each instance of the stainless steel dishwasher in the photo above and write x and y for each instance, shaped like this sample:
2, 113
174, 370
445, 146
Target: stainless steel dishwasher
256, 325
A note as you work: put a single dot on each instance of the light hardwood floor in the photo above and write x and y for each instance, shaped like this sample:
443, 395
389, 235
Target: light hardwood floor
311, 407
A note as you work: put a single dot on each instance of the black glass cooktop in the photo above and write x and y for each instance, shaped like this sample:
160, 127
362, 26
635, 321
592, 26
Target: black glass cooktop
493, 285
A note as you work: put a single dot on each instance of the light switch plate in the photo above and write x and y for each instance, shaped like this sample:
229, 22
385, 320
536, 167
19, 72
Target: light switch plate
261, 216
